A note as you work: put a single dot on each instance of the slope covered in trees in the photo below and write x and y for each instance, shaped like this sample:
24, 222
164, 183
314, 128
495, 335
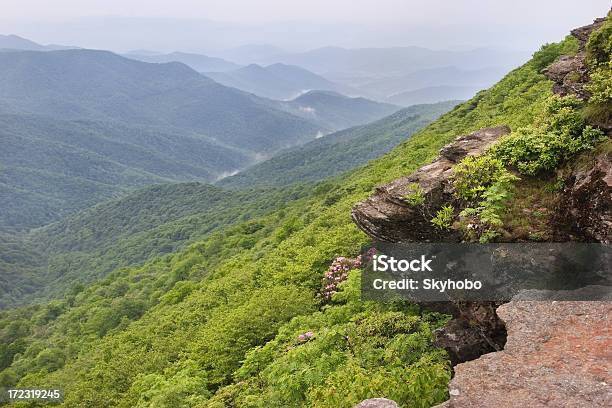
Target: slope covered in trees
81, 126
339, 151
154, 221
337, 111
51, 168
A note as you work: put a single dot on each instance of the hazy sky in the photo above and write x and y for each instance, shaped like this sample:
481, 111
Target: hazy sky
204, 24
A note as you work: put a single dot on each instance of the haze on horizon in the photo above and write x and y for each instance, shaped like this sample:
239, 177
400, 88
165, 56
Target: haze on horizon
204, 25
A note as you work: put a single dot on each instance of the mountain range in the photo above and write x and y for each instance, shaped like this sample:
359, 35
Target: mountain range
199, 62
336, 111
14, 42
276, 81
338, 152
80, 126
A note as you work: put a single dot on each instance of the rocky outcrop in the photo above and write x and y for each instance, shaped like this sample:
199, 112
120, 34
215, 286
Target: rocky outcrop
389, 214
582, 33
558, 354
570, 73
377, 403
585, 209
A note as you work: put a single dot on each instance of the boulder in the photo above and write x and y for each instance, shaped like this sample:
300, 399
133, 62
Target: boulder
583, 33
569, 74
558, 354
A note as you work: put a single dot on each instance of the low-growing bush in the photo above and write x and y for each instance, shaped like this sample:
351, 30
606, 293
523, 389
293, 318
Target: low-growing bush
444, 217
473, 175
561, 133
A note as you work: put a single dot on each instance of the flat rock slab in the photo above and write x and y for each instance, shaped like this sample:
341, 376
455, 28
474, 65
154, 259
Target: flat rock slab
558, 354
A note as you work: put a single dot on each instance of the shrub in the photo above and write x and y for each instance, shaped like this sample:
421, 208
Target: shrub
599, 51
599, 45
548, 53
444, 217
485, 220
415, 197
473, 175
543, 147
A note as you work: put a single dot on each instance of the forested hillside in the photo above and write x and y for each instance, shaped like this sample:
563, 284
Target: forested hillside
339, 151
153, 221
51, 168
264, 313
99, 85
337, 111
82, 126
159, 219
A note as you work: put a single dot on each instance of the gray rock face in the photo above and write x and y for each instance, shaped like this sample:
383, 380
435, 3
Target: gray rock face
558, 354
475, 330
377, 403
570, 75
570, 72
389, 216
585, 211
582, 33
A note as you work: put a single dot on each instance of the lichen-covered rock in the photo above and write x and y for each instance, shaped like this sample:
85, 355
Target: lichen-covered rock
377, 403
558, 354
585, 209
389, 214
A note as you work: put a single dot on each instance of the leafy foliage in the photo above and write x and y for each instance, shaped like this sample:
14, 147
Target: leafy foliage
485, 220
560, 133
473, 175
599, 59
444, 217
415, 197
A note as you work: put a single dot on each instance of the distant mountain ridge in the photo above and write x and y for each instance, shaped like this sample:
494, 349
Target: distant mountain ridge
198, 62
433, 94
394, 60
337, 111
15, 42
275, 81
100, 85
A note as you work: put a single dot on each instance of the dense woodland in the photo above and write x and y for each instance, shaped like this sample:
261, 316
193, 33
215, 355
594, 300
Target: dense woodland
238, 317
